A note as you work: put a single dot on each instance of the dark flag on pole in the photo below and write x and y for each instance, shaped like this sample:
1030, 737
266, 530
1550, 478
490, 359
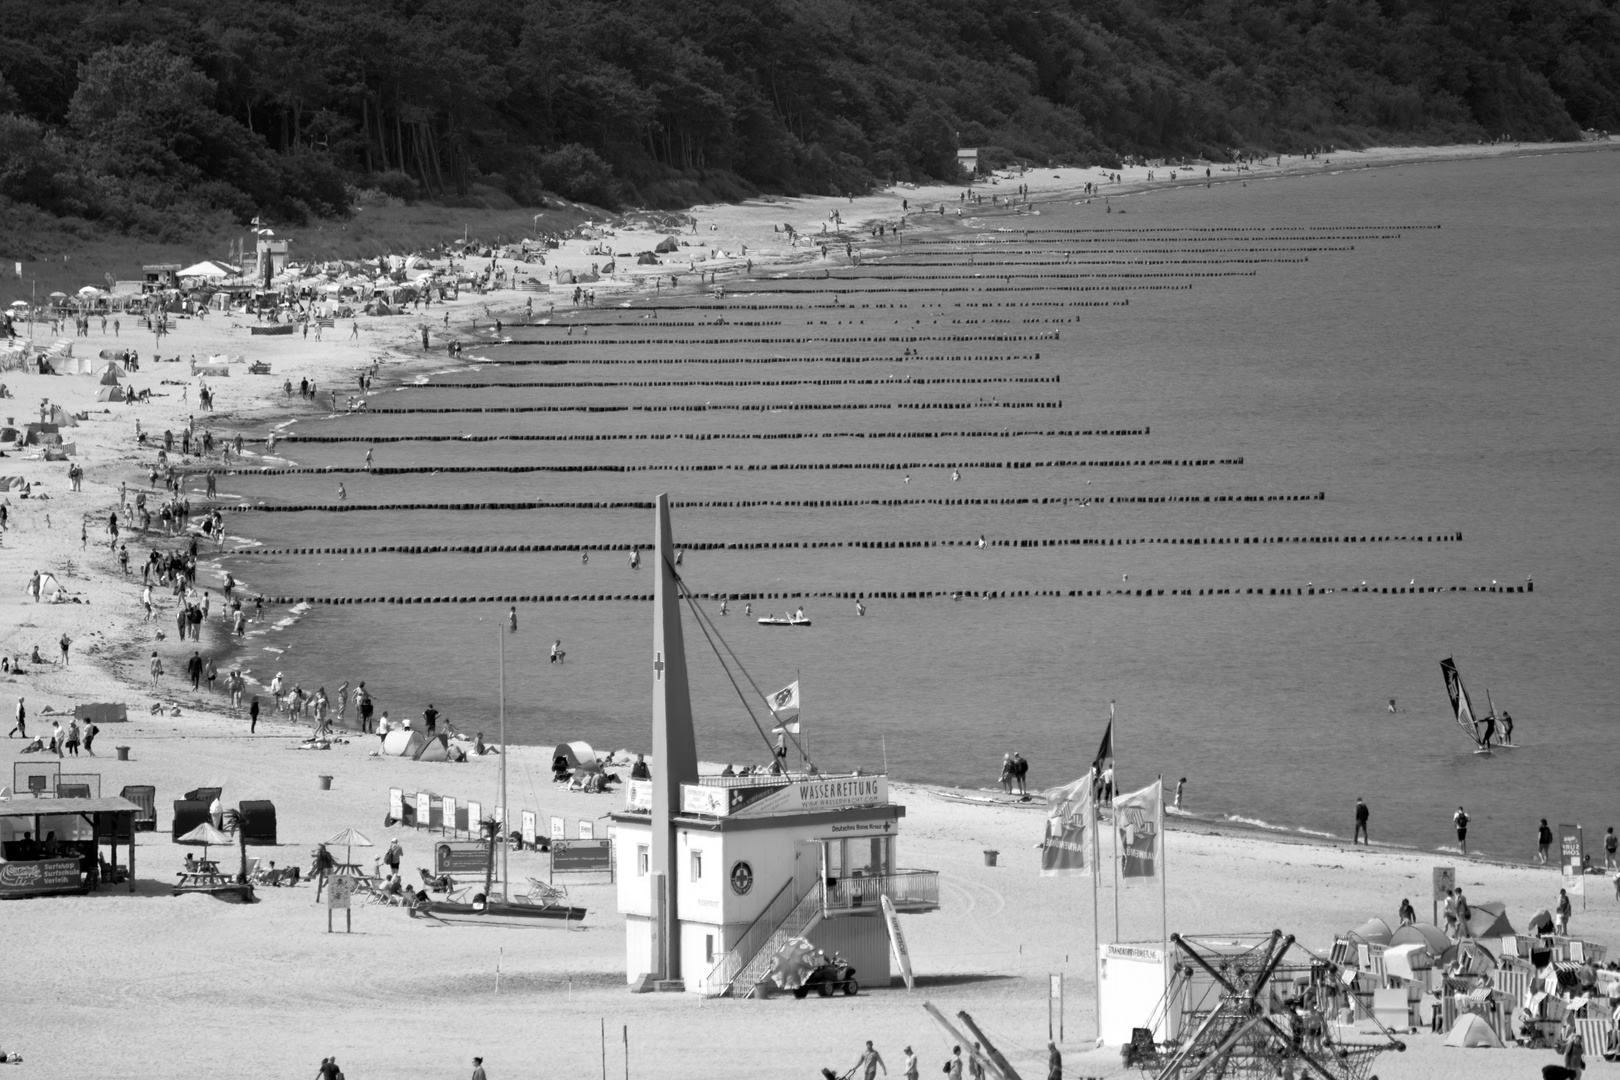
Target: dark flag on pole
1105, 752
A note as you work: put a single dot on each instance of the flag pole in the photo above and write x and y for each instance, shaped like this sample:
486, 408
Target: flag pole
1096, 933
1113, 817
1164, 911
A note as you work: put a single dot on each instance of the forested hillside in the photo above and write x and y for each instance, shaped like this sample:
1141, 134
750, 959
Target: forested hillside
142, 113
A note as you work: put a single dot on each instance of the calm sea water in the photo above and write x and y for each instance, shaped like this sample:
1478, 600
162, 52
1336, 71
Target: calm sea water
1451, 379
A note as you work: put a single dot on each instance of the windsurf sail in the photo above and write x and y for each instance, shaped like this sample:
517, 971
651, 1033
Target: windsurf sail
1461, 708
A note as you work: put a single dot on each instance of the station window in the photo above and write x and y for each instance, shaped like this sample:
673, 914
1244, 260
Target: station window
641, 860
697, 866
708, 948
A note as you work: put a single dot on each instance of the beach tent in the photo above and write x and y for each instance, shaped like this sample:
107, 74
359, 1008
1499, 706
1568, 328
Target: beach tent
110, 393
111, 373
1374, 931
1489, 920
667, 245
208, 268
1472, 1030
1540, 923
419, 746
1429, 936
578, 754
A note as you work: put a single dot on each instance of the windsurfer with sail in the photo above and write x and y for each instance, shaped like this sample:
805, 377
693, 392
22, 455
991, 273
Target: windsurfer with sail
1507, 728
1488, 723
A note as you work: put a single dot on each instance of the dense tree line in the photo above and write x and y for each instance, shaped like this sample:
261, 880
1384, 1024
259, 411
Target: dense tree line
131, 111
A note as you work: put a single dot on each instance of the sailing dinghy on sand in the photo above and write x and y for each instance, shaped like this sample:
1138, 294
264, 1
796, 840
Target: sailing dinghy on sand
1486, 732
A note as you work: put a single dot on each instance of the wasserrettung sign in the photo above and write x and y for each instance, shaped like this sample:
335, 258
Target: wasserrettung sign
822, 793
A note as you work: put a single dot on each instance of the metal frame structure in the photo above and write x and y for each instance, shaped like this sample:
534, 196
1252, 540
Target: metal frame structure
1242, 1038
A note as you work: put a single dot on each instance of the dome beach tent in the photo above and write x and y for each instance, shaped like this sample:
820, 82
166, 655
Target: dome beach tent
110, 393
1431, 937
111, 373
1489, 920
1374, 931
578, 754
1471, 1030
667, 245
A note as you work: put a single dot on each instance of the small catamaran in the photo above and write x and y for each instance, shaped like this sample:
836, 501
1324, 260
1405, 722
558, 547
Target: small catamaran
1486, 732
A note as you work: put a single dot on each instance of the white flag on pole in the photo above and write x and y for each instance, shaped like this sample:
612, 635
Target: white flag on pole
784, 706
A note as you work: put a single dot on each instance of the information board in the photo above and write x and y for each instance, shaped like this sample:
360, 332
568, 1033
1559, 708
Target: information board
581, 856
460, 857
529, 823
559, 830
450, 823
338, 891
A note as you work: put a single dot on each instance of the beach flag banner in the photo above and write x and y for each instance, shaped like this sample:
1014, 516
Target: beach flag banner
449, 822
897, 941
528, 819
1139, 818
587, 831
1571, 859
559, 831
784, 706
1070, 815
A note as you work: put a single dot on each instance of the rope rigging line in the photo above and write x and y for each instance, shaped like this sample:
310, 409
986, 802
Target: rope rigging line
706, 624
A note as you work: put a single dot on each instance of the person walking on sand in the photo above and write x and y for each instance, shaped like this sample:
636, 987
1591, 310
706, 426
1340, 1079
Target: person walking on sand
1610, 846
953, 1067
73, 737
1361, 823
329, 1070
870, 1061
1181, 786
21, 726
1460, 819
1562, 911
911, 1069
156, 667
253, 715
194, 669
57, 738
65, 642
478, 1069
1054, 1062
1544, 839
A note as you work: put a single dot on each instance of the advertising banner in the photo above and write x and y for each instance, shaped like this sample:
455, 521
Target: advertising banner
33, 878
1138, 817
1070, 816
1571, 859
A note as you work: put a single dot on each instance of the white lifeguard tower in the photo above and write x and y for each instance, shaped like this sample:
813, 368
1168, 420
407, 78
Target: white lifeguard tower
716, 873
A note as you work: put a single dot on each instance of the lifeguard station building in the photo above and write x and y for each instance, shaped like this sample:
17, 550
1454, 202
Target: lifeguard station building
716, 873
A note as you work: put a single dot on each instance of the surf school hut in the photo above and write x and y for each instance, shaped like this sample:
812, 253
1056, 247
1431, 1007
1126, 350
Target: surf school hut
716, 873
53, 846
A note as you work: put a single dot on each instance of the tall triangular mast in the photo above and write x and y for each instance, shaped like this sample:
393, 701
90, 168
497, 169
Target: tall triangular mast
674, 744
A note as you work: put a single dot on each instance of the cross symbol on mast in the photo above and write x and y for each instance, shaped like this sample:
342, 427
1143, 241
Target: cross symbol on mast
658, 666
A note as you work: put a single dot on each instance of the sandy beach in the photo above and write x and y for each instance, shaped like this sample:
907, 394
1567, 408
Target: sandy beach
143, 985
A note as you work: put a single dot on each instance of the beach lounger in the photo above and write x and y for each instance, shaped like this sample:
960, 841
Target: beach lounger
543, 894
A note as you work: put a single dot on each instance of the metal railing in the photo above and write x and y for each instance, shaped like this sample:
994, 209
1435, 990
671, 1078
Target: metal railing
907, 890
785, 917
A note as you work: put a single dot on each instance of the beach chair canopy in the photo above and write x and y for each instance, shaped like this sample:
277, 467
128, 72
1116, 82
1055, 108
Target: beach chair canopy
1402, 961
1374, 931
578, 754
1472, 1030
1429, 936
1489, 920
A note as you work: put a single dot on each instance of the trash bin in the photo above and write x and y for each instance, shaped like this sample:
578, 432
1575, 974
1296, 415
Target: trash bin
326, 782
123, 752
990, 857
